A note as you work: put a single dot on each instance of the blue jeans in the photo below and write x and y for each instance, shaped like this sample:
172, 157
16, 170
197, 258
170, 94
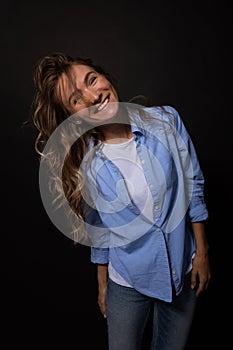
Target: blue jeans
128, 311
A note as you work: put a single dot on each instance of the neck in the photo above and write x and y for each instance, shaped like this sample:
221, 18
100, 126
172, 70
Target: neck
119, 129
116, 133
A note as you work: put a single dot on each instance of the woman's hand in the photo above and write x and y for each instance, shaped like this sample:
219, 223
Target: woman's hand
102, 300
102, 276
201, 272
200, 275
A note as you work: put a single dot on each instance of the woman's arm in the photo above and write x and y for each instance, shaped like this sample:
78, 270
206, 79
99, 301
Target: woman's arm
201, 273
102, 277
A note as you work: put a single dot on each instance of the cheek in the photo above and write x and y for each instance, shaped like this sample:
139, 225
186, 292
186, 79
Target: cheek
106, 85
114, 93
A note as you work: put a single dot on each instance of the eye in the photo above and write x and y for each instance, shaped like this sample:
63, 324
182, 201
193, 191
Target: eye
92, 80
75, 100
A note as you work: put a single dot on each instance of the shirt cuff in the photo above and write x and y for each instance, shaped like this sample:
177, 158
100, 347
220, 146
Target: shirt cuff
99, 255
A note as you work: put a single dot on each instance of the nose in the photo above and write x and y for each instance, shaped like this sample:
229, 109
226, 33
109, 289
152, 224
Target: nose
92, 96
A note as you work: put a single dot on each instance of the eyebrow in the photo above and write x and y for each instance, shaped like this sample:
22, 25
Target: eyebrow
85, 82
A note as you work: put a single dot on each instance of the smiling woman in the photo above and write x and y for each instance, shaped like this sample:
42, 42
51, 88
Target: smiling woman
84, 88
133, 179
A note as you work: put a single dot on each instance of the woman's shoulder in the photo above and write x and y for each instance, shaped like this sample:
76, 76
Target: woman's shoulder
167, 113
162, 109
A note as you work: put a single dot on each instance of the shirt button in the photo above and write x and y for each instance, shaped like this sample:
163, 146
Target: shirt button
174, 272
151, 186
156, 206
158, 229
142, 161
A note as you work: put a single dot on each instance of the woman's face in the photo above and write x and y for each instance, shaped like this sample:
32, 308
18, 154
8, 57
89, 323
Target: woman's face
89, 94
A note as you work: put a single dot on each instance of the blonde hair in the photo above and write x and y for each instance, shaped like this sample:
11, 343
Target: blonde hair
48, 112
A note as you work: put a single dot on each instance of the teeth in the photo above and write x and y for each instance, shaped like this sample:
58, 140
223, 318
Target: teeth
102, 105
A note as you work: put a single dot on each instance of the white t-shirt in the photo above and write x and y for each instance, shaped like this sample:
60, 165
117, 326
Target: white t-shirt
124, 156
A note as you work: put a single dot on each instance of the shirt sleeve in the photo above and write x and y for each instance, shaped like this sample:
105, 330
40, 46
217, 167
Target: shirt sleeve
99, 237
197, 209
99, 255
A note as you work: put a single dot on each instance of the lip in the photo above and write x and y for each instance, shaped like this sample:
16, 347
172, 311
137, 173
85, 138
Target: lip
103, 104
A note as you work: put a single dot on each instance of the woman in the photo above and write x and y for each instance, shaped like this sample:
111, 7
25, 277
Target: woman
132, 178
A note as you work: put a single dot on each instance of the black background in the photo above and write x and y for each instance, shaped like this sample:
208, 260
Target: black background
174, 52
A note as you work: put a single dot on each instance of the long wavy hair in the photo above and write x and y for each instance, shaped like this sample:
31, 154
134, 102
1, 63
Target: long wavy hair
48, 112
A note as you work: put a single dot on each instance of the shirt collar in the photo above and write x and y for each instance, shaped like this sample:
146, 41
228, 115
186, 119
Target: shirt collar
135, 121
137, 130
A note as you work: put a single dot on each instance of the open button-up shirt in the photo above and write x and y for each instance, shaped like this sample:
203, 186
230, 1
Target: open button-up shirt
153, 256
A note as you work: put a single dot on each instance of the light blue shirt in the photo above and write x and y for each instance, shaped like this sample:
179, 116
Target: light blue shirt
152, 256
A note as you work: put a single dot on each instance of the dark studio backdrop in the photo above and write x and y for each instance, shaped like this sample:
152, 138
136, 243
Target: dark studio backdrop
176, 53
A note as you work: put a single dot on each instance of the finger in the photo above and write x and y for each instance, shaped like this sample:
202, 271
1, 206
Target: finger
102, 307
